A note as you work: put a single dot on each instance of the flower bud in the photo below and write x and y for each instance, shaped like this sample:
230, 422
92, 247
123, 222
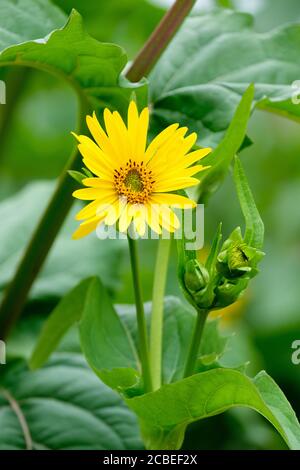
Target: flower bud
196, 277
229, 291
197, 282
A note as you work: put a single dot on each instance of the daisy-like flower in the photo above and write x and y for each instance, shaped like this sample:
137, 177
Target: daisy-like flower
133, 182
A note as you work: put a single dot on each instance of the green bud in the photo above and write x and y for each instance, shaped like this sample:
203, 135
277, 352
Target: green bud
229, 291
196, 277
237, 257
198, 284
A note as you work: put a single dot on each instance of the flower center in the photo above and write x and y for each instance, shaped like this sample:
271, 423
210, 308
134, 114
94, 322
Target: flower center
134, 181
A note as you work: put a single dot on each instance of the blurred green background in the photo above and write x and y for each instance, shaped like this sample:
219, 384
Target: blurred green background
35, 140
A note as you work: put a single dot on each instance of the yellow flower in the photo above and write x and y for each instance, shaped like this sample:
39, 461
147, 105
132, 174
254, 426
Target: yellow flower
133, 183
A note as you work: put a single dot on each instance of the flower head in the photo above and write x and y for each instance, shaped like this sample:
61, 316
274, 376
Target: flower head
134, 182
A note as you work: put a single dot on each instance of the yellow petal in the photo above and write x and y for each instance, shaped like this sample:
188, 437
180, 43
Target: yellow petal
174, 200
137, 130
195, 156
96, 158
142, 134
86, 227
174, 184
153, 219
100, 136
88, 194
115, 211
159, 140
96, 207
98, 183
188, 142
168, 219
125, 219
138, 212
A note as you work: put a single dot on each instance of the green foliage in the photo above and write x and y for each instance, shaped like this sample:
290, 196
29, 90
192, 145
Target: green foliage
69, 261
90, 67
227, 272
220, 159
164, 418
179, 320
202, 75
254, 234
27, 20
68, 312
64, 406
198, 82
107, 340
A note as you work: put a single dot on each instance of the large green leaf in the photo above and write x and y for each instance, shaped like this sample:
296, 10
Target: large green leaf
179, 320
105, 339
24, 20
92, 68
64, 316
254, 233
106, 342
69, 260
165, 414
219, 160
203, 73
62, 406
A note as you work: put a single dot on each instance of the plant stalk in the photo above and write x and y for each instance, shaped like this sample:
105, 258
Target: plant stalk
156, 330
195, 343
159, 39
140, 315
41, 241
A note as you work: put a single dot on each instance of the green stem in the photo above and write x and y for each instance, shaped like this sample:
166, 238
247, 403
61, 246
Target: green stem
140, 315
195, 343
159, 39
156, 331
40, 243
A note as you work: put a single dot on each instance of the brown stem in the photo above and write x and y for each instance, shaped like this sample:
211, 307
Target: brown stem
159, 39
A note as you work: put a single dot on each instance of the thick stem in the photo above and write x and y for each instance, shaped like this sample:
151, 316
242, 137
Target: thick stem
140, 315
156, 331
159, 39
195, 343
40, 244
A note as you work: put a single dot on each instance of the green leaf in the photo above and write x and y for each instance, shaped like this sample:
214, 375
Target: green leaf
179, 320
25, 20
77, 176
165, 414
214, 250
63, 406
91, 68
69, 260
221, 158
106, 342
66, 314
202, 74
254, 233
